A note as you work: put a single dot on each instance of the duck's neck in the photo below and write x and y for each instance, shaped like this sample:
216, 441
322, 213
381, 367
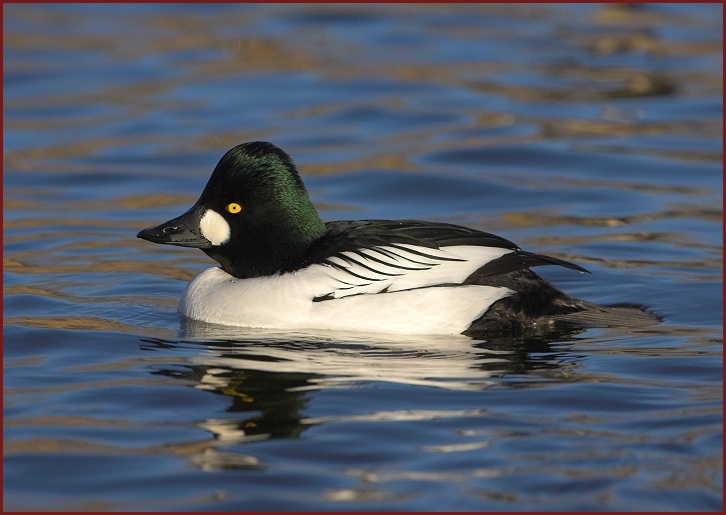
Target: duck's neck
267, 249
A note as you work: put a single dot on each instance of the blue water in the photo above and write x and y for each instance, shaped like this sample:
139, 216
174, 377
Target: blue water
589, 132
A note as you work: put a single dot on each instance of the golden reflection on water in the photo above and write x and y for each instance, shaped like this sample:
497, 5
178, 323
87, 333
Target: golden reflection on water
296, 52
87, 323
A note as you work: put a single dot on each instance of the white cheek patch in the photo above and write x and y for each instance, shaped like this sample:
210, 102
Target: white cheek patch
214, 227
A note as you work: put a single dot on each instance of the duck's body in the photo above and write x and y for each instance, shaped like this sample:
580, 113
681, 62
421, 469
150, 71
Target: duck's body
283, 268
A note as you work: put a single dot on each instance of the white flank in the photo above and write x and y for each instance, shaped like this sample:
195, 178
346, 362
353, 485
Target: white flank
214, 227
411, 304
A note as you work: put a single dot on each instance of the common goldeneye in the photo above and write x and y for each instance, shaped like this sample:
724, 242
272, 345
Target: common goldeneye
282, 267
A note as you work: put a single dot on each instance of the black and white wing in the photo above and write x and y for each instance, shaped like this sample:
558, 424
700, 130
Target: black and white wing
378, 256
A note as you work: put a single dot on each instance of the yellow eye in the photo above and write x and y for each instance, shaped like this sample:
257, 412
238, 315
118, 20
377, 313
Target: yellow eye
234, 208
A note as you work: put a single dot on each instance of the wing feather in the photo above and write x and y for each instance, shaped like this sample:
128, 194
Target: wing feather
376, 256
447, 267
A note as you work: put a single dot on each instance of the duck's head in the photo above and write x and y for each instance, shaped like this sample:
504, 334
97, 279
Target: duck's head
254, 216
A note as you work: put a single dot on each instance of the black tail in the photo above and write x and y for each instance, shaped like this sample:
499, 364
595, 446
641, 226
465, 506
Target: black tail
537, 307
593, 315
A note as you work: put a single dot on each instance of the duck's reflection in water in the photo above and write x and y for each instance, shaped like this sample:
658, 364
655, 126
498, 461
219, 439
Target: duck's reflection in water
269, 378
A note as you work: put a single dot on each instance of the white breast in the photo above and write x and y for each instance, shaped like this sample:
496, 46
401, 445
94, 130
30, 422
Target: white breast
350, 285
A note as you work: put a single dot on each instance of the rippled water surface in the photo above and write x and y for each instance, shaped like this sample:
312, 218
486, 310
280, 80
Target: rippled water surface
589, 132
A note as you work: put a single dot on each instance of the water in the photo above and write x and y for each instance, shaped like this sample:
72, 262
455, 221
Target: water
589, 132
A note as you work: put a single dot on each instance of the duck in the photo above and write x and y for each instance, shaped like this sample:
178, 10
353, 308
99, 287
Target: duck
282, 267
